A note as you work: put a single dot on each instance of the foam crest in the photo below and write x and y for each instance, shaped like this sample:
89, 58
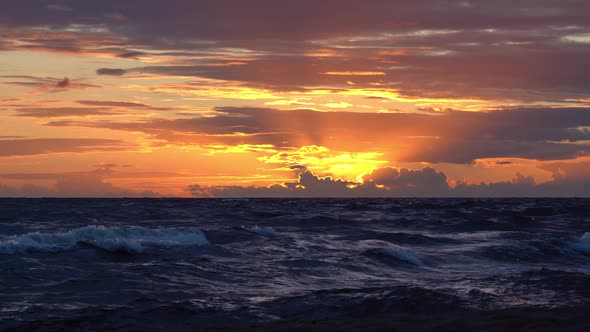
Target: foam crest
130, 239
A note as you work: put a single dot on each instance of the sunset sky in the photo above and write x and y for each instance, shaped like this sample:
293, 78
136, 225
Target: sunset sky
294, 98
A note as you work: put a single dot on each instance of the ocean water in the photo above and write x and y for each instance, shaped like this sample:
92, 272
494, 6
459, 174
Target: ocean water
188, 264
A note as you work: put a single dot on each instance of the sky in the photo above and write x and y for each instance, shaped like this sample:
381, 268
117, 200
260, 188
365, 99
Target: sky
307, 98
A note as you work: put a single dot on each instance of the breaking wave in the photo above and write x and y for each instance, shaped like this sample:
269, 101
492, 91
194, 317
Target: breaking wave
391, 250
127, 239
582, 244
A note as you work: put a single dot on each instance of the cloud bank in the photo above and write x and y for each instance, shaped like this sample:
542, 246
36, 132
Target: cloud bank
526, 49
89, 184
393, 182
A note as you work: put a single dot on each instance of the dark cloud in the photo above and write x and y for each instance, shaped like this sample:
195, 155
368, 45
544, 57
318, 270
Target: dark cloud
106, 166
36, 146
120, 104
562, 186
131, 55
46, 84
230, 20
424, 182
62, 112
452, 136
111, 71
505, 73
391, 182
308, 185
523, 50
101, 108
66, 82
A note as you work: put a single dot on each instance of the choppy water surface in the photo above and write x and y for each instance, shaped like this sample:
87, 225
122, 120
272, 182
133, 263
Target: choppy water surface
122, 264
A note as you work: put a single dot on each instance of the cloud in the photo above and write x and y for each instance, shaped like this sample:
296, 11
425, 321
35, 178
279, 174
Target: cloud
63, 112
87, 185
452, 136
381, 182
99, 108
569, 171
131, 55
66, 82
10, 100
59, 8
36, 146
501, 50
424, 182
106, 171
46, 84
83, 184
330, 53
111, 71
393, 182
94, 183
121, 104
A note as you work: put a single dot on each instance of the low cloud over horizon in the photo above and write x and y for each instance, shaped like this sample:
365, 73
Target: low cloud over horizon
393, 182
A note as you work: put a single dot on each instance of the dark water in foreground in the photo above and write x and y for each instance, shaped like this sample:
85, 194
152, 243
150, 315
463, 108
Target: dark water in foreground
181, 264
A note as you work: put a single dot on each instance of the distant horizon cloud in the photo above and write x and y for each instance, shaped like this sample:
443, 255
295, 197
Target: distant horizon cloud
396, 183
381, 182
83, 184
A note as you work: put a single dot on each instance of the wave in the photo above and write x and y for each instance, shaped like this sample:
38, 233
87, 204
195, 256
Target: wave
264, 231
401, 238
387, 249
401, 254
582, 244
126, 239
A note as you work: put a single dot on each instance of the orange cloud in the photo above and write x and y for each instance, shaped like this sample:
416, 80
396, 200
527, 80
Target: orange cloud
24, 147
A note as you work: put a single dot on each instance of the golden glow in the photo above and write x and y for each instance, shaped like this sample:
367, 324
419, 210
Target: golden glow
355, 73
322, 160
242, 148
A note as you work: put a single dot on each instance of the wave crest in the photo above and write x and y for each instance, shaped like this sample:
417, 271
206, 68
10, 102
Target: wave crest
582, 244
388, 249
129, 239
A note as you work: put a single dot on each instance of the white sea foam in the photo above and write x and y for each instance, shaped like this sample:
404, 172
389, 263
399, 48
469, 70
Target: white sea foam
582, 244
131, 239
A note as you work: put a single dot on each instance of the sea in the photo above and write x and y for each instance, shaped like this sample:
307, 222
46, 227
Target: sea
294, 264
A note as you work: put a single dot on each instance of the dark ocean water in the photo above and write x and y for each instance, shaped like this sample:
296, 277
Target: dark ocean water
184, 264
